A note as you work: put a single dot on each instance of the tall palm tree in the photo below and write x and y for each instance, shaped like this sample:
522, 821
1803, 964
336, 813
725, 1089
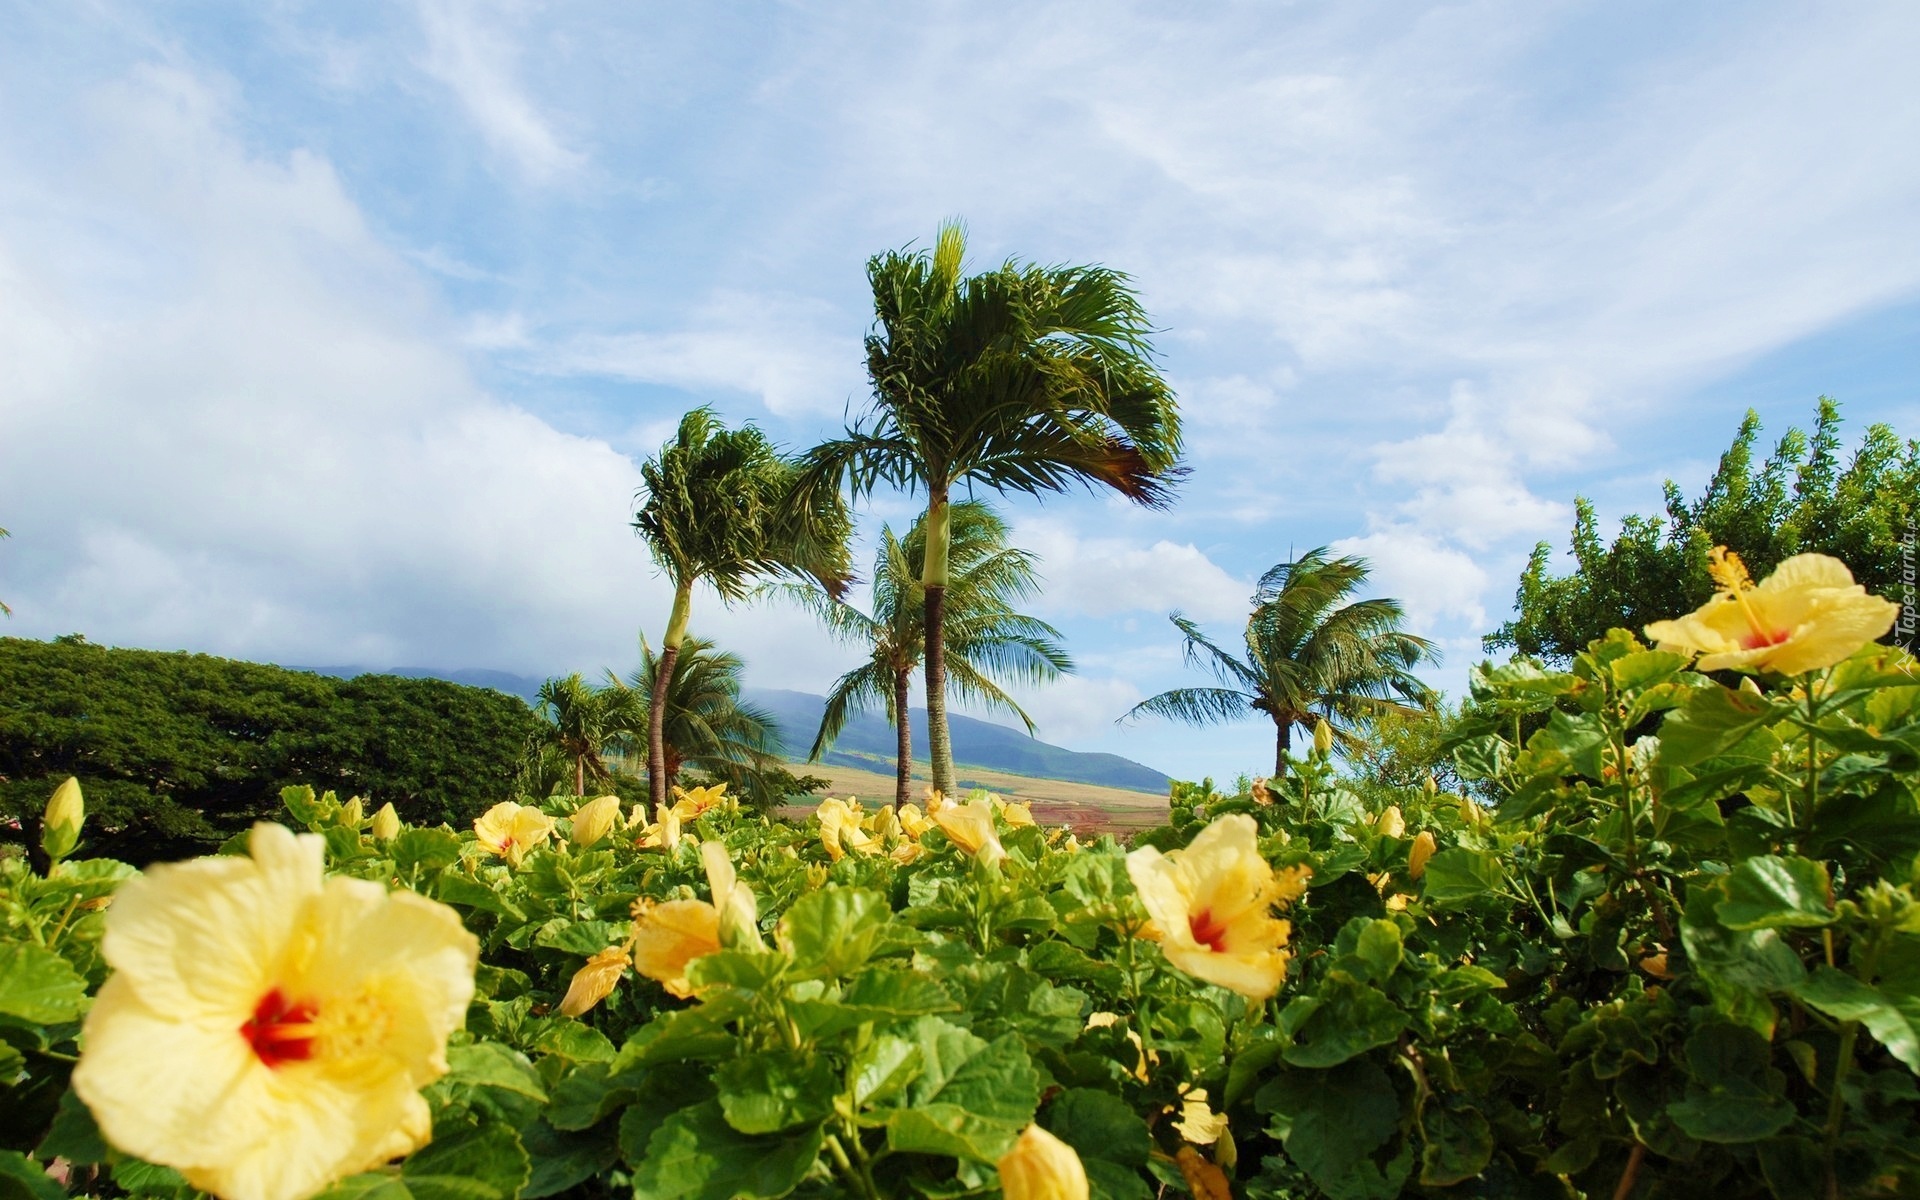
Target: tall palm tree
1023, 378
986, 639
1310, 654
721, 505
582, 723
707, 727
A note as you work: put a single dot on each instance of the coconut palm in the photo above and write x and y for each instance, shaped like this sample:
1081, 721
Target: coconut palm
582, 724
1311, 653
720, 505
986, 639
1023, 378
707, 726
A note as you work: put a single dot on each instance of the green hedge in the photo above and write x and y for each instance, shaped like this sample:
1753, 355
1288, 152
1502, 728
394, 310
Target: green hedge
179, 751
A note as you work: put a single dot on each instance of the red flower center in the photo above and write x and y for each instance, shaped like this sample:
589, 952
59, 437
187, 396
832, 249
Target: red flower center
1207, 931
280, 1032
1764, 637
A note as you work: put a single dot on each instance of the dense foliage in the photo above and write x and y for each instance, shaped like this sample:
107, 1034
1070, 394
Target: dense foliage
179, 751
1864, 510
1681, 952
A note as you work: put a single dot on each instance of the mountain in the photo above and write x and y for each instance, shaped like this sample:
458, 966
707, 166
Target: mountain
867, 741
868, 737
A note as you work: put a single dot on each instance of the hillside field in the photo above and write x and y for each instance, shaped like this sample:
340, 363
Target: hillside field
1085, 807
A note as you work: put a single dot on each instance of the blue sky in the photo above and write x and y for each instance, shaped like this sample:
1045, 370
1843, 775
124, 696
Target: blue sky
333, 331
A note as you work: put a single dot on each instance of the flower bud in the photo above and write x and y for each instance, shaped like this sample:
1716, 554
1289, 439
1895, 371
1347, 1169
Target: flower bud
386, 824
1391, 823
60, 828
1322, 737
1423, 848
1431, 788
352, 813
594, 820
1042, 1167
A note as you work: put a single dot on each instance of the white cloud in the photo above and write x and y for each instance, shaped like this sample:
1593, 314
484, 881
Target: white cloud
1435, 583
477, 62
1104, 576
248, 430
1075, 708
795, 355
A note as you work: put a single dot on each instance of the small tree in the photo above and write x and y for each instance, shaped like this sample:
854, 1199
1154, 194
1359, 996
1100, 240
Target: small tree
1311, 654
986, 639
721, 505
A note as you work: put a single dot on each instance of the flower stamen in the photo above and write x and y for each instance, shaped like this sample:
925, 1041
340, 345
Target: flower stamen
280, 1032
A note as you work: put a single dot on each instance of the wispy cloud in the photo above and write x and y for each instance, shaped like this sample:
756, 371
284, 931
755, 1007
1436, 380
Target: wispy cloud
478, 61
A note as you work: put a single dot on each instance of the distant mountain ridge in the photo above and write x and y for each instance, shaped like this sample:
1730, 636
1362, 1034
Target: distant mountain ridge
867, 741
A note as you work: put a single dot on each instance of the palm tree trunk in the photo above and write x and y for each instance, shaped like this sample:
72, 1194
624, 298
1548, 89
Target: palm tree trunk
657, 773
579, 774
939, 538
903, 752
1282, 739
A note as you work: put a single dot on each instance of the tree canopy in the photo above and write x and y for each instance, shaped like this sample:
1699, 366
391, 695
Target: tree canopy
177, 752
1805, 497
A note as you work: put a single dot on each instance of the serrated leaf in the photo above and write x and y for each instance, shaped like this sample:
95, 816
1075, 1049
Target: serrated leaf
1733, 1092
1333, 1123
1100, 1125
775, 1090
1772, 892
475, 1162
490, 1064
38, 985
1710, 722
425, 849
23, 1179
1342, 1018
1460, 874
835, 930
696, 1155
1844, 998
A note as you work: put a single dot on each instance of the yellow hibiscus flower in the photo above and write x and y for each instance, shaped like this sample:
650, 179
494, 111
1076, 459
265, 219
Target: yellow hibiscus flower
913, 822
840, 828
510, 830
691, 802
1042, 1167
1211, 904
1807, 615
1418, 854
665, 834
668, 937
970, 826
594, 820
266, 1030
595, 982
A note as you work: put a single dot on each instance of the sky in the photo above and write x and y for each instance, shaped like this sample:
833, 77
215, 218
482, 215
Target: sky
334, 332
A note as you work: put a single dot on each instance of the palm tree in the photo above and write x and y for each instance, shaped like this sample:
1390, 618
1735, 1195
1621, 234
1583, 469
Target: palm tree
1310, 654
707, 726
1023, 378
985, 639
582, 723
720, 505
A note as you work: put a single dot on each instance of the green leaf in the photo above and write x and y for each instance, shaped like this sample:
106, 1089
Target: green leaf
1378, 946
73, 1135
38, 985
834, 930
425, 849
566, 1038
1461, 874
971, 1098
1458, 1143
1844, 998
1342, 1018
1733, 1092
1756, 959
369, 1185
1332, 1123
23, 1179
1099, 1125
1710, 722
1771, 892
490, 1064
562, 1161
883, 1067
585, 938
696, 1155
775, 1090
474, 1162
